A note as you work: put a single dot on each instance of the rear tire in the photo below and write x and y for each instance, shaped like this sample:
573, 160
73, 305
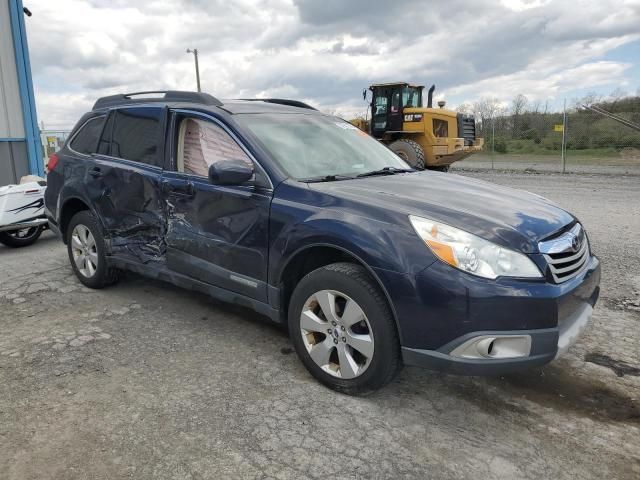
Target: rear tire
21, 238
353, 349
410, 151
87, 251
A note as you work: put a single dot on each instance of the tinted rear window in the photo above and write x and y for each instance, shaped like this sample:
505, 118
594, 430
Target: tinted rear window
137, 135
86, 140
104, 146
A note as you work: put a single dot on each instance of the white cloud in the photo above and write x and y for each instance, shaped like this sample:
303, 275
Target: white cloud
545, 86
324, 52
520, 5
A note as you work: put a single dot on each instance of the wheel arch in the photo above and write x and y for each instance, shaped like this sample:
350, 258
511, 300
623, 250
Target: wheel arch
317, 255
69, 208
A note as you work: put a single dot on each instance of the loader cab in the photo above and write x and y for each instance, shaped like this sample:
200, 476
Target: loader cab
388, 103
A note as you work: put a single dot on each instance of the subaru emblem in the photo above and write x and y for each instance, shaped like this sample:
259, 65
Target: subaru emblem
575, 244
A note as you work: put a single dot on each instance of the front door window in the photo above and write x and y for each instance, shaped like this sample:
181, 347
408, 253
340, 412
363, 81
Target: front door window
202, 143
394, 122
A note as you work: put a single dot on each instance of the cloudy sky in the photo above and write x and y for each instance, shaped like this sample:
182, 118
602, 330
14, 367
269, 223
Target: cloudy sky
326, 51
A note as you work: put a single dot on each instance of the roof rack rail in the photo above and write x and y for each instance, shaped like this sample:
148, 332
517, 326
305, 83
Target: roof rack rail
281, 101
156, 95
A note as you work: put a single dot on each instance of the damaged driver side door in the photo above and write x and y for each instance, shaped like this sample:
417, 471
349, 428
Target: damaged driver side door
217, 234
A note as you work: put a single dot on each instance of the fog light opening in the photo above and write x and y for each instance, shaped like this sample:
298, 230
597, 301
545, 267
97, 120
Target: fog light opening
494, 347
485, 346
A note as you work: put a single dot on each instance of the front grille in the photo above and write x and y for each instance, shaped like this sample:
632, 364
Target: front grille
566, 255
467, 128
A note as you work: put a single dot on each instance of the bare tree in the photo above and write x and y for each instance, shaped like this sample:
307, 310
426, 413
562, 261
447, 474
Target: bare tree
518, 107
465, 108
487, 110
591, 98
519, 104
535, 107
617, 94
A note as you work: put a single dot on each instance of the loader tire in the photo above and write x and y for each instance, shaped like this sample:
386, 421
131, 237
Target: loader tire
410, 151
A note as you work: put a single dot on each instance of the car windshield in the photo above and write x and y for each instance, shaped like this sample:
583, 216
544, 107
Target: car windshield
316, 146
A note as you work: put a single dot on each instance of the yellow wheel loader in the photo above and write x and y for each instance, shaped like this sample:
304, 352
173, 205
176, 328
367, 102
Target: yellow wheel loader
425, 137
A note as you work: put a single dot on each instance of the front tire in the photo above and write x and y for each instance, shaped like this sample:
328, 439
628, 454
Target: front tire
410, 151
87, 251
343, 330
21, 238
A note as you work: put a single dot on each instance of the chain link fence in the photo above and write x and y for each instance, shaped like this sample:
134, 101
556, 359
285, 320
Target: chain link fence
582, 140
52, 141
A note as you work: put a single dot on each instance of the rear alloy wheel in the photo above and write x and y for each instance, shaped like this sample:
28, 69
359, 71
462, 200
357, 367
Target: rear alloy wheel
86, 248
343, 330
21, 238
410, 151
84, 251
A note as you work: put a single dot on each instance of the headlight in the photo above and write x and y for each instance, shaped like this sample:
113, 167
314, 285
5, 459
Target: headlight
471, 253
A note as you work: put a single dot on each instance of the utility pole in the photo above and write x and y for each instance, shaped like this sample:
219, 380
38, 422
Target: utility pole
564, 136
195, 56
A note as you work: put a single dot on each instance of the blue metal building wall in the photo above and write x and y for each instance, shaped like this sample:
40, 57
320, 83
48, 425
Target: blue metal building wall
23, 67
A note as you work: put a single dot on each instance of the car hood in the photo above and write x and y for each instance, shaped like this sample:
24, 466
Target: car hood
509, 217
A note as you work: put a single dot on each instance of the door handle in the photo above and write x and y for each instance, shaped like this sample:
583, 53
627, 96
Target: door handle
186, 190
95, 172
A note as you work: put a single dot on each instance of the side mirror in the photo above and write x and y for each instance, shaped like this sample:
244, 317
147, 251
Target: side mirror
230, 172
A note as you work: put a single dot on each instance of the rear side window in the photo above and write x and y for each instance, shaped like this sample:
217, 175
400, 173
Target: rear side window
104, 146
86, 140
137, 135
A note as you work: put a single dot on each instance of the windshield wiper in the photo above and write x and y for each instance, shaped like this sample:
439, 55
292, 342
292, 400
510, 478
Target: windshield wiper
326, 178
385, 171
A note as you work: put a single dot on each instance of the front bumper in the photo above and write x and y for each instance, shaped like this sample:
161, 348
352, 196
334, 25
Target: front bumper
546, 345
448, 154
441, 311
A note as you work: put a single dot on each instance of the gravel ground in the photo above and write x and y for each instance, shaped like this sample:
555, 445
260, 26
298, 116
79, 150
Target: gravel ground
144, 380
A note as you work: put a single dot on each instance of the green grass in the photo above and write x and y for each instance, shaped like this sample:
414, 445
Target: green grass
522, 147
574, 157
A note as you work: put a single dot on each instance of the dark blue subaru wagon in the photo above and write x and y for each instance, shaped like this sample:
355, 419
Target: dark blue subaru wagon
310, 221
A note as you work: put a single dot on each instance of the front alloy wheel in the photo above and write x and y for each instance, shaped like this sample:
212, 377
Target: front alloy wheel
336, 333
343, 330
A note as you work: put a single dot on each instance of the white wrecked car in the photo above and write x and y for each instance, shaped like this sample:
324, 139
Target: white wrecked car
22, 218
